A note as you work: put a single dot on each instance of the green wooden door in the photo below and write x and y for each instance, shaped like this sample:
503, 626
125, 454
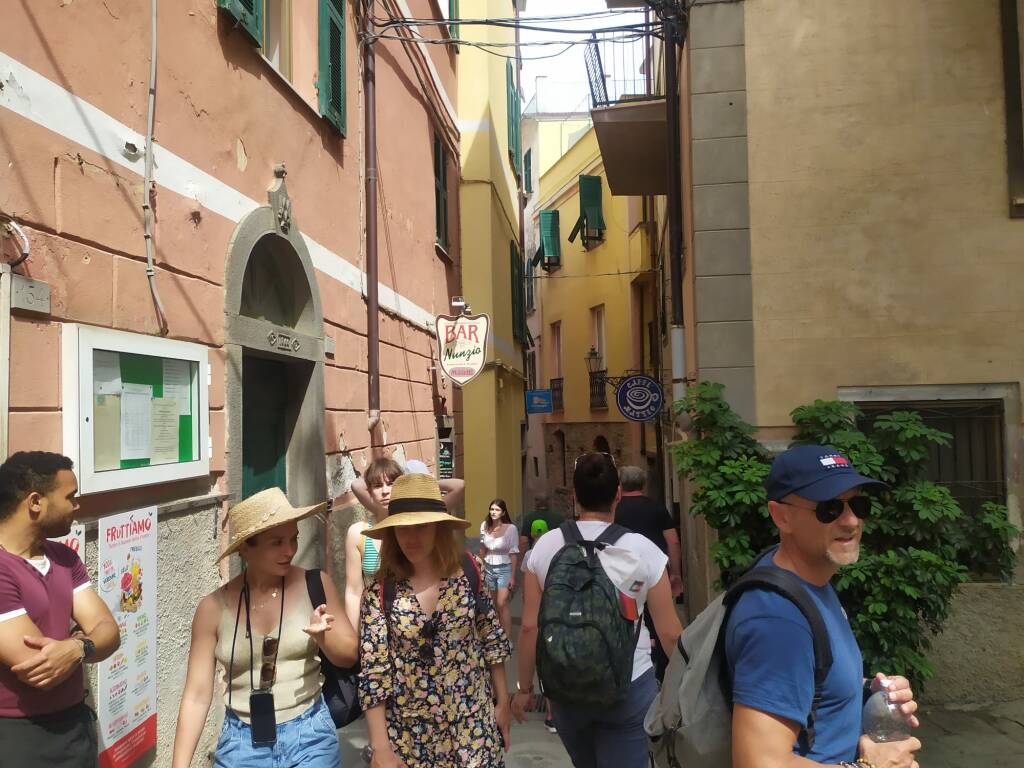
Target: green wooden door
264, 427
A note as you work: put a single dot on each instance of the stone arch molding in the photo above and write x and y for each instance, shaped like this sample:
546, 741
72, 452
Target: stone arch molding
280, 316
270, 231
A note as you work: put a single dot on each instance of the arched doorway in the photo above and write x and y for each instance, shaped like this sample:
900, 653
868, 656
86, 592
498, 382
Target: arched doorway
274, 339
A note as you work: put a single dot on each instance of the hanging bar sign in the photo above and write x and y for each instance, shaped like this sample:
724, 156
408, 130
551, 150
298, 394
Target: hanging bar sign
462, 346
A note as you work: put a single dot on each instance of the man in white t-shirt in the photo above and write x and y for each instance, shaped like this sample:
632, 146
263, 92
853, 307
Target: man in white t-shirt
612, 737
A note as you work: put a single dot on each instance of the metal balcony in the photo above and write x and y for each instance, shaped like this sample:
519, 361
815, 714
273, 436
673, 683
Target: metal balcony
599, 390
557, 400
629, 119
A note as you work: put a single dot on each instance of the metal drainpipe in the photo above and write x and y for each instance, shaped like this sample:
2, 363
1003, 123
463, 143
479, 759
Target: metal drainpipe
6, 286
372, 317
147, 183
675, 212
5, 355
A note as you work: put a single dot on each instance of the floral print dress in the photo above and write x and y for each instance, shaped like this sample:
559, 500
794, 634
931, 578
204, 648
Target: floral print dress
436, 685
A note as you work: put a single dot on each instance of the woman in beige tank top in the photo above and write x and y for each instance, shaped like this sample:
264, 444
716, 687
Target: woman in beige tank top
262, 632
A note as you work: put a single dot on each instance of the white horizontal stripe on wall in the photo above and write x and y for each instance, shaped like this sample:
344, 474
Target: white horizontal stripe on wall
32, 96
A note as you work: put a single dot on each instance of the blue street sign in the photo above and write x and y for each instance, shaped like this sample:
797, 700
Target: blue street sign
538, 401
639, 397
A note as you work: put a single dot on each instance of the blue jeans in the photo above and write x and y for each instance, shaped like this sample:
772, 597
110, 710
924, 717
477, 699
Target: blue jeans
497, 576
609, 738
309, 740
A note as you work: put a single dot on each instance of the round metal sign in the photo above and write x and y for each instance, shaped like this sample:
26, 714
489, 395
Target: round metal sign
639, 397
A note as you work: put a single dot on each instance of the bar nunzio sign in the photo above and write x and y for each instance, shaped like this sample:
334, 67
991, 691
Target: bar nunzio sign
462, 346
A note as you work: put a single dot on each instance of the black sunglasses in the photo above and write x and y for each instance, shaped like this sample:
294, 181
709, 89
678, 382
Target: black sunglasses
582, 456
830, 510
427, 635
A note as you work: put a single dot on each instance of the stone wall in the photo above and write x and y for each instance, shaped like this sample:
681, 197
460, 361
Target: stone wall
979, 657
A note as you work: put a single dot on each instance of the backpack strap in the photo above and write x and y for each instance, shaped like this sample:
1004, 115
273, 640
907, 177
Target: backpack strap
786, 584
315, 587
610, 535
387, 599
472, 573
470, 570
571, 532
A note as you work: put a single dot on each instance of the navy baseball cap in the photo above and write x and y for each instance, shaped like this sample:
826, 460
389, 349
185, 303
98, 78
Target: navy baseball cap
814, 472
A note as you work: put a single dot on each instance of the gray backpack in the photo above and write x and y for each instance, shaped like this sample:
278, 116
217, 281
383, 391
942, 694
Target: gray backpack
690, 722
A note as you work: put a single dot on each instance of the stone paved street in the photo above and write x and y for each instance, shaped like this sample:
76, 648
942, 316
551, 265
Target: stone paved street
981, 737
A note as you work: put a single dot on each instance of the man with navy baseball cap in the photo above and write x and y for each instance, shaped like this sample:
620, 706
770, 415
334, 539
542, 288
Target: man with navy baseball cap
817, 499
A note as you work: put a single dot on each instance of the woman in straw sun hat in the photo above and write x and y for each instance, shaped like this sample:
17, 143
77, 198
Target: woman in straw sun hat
432, 651
267, 638
373, 491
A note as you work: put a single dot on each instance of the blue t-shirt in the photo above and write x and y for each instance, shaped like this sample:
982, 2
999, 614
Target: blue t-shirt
770, 653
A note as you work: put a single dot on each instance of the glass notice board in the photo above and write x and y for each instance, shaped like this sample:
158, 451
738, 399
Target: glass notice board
143, 410
137, 412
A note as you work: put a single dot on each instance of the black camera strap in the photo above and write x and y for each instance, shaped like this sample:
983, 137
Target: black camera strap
244, 594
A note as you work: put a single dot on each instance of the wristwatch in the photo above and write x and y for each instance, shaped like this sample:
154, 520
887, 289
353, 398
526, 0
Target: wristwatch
88, 648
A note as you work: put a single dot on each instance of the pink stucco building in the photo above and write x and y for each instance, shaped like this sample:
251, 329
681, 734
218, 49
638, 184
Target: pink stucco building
272, 291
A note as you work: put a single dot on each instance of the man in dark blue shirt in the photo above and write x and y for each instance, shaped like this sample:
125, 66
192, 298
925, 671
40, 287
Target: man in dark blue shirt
814, 500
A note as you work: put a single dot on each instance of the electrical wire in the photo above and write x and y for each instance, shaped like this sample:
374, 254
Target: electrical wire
595, 274
541, 43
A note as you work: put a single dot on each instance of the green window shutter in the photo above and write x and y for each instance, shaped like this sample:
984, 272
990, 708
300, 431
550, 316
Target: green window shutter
549, 254
440, 193
517, 161
248, 14
528, 172
590, 201
453, 15
331, 79
591, 221
516, 288
510, 89
529, 285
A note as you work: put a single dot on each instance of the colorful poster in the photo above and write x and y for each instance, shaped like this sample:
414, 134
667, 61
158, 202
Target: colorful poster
75, 539
126, 695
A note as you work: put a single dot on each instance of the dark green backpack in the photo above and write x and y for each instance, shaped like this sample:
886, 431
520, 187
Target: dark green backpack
585, 645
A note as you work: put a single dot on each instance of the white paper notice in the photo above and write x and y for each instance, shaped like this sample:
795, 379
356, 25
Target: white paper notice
106, 372
135, 421
178, 384
164, 431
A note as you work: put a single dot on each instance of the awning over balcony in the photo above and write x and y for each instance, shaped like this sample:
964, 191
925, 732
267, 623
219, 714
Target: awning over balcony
633, 136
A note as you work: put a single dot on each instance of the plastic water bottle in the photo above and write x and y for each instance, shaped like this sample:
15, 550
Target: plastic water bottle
882, 720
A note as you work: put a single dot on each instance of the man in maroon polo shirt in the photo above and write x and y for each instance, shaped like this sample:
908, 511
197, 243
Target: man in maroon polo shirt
44, 589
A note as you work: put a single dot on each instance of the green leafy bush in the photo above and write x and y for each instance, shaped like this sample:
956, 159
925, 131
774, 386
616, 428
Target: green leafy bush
917, 546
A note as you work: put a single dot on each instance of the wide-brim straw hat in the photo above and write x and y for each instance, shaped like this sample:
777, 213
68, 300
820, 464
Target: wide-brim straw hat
415, 500
261, 512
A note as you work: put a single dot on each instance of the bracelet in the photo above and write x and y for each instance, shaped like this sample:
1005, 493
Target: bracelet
859, 763
529, 689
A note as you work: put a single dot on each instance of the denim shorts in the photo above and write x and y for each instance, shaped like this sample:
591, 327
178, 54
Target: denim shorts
497, 576
309, 740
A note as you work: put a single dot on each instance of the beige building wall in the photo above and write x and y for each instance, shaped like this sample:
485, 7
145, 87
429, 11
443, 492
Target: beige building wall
881, 248
849, 201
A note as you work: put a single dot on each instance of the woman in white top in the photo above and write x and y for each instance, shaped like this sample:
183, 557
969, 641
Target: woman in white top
499, 549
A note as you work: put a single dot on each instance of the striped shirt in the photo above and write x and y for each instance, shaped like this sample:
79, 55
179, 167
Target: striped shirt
371, 556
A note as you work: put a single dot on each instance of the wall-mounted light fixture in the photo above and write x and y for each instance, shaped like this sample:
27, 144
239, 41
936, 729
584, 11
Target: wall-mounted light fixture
594, 361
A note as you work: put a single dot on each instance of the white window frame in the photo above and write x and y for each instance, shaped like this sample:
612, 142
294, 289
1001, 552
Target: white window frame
597, 318
78, 343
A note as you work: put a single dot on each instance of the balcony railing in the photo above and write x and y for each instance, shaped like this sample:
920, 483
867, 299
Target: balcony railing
629, 118
616, 69
598, 390
557, 403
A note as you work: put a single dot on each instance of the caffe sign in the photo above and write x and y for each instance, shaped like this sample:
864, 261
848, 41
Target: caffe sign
462, 346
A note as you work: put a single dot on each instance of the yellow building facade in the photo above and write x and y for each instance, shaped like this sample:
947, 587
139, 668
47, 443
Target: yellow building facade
492, 263
599, 300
